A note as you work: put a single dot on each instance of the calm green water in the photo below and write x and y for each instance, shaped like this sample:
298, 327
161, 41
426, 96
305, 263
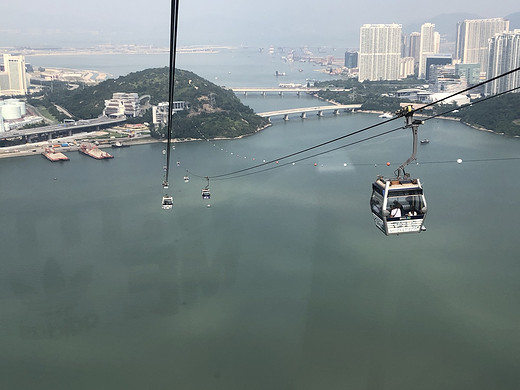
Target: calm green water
283, 283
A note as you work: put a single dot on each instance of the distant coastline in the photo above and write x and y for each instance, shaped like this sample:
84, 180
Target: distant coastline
114, 50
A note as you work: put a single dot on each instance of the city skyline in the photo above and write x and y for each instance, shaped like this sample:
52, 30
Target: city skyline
228, 22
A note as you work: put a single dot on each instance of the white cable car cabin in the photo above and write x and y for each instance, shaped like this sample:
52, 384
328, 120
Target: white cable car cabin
167, 202
398, 205
205, 193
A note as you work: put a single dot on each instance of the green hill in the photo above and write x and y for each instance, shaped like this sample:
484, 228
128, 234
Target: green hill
214, 111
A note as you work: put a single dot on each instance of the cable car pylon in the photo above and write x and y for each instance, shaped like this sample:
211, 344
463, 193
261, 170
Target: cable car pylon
398, 205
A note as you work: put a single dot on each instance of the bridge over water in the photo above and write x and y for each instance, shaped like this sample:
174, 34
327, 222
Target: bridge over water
282, 90
303, 111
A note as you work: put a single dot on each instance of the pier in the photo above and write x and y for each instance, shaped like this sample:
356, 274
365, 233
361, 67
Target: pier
54, 156
94, 152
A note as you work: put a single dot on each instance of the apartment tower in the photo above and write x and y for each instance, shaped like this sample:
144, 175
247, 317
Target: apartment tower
472, 39
504, 55
379, 52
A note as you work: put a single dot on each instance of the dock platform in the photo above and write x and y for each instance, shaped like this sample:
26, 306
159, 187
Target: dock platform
94, 152
54, 156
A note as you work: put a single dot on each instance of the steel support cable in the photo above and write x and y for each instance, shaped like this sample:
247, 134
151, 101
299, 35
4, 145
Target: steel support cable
468, 89
471, 104
358, 131
314, 155
372, 137
304, 150
171, 79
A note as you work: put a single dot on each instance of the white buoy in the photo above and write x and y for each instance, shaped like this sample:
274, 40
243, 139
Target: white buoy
344, 164
459, 161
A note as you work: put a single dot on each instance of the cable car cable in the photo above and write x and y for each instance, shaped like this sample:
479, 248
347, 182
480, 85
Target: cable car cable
358, 131
171, 82
471, 104
468, 89
167, 200
354, 143
363, 129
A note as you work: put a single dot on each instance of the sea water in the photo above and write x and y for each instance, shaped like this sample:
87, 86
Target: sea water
283, 282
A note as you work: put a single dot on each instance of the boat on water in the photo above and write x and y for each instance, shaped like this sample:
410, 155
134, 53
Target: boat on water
120, 145
386, 115
425, 141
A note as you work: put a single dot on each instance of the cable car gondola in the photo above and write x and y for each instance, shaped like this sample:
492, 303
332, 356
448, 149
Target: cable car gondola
167, 202
398, 205
205, 191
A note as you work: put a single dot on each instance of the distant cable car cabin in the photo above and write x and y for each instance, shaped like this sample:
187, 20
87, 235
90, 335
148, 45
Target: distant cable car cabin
398, 205
167, 202
205, 191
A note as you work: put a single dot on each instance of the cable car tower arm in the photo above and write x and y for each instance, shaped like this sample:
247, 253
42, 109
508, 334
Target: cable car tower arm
407, 112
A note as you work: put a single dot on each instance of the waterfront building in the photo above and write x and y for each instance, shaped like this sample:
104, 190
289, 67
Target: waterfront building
429, 45
123, 103
442, 78
473, 36
504, 55
13, 80
380, 52
351, 59
436, 59
471, 72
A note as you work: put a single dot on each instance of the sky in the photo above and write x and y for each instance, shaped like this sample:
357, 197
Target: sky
336, 23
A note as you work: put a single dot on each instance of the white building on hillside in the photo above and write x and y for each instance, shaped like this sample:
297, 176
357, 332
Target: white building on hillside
123, 103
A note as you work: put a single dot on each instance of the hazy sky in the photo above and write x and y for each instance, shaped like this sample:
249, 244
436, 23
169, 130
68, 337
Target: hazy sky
233, 22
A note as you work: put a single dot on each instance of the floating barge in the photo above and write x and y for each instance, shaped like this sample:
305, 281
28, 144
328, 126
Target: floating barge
53, 156
94, 152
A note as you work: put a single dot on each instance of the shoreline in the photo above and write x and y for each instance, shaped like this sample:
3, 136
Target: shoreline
15, 151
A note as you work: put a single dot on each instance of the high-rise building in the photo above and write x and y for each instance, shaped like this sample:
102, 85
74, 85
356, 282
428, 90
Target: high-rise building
429, 44
472, 39
504, 56
379, 52
414, 46
351, 59
406, 67
12, 75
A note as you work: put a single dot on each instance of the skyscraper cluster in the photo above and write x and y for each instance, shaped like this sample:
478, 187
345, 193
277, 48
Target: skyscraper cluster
485, 48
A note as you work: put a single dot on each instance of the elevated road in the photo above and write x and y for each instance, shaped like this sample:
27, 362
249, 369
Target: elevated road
61, 129
303, 111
